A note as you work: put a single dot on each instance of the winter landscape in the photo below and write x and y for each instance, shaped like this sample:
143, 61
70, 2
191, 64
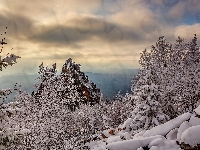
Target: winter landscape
86, 105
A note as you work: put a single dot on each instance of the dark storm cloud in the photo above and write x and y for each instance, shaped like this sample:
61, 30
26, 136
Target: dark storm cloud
77, 30
16, 23
85, 29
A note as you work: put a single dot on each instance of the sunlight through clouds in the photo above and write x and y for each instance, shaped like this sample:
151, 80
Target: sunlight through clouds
52, 30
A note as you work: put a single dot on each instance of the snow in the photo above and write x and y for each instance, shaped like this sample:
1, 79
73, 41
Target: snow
132, 144
106, 132
194, 121
172, 135
154, 148
10, 60
24, 131
185, 125
127, 124
112, 139
125, 136
191, 136
177, 129
139, 133
156, 142
163, 129
96, 145
163, 144
197, 110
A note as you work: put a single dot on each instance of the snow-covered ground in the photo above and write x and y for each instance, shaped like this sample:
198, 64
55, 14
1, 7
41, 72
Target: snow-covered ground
183, 131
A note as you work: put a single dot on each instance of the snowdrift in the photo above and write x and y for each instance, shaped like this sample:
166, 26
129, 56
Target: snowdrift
183, 132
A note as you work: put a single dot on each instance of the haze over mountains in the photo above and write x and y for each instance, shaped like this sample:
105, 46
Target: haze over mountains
108, 83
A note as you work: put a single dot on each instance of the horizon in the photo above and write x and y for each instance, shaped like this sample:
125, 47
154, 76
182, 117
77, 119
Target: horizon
104, 81
105, 71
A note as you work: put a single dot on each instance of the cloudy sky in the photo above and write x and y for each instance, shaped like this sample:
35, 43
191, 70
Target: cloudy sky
98, 34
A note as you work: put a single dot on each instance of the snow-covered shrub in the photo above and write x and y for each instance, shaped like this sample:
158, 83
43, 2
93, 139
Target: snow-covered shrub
10, 133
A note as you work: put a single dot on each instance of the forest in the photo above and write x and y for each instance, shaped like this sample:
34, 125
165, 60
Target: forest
67, 111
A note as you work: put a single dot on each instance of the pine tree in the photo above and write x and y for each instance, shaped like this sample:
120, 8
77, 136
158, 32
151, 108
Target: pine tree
147, 112
87, 90
189, 88
174, 74
71, 85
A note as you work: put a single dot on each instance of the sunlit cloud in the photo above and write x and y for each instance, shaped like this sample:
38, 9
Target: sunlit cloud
97, 34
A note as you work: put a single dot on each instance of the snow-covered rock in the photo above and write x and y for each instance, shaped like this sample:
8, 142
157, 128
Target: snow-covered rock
163, 144
139, 133
172, 135
185, 129
154, 148
140, 148
185, 125
191, 136
156, 142
165, 128
125, 136
112, 139
132, 144
194, 121
96, 145
197, 110
108, 133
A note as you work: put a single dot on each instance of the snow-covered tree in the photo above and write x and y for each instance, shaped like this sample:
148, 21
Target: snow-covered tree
189, 88
148, 112
9, 134
118, 96
50, 112
7, 60
87, 90
168, 82
72, 86
47, 117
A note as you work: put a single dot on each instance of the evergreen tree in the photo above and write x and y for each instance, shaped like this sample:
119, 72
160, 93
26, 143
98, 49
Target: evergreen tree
147, 112
72, 86
168, 79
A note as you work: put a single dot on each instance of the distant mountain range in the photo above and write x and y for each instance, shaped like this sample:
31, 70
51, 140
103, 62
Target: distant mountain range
108, 83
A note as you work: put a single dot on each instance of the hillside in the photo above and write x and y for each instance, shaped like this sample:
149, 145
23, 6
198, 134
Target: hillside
179, 133
65, 111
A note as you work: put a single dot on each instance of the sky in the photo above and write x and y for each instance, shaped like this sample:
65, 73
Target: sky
101, 35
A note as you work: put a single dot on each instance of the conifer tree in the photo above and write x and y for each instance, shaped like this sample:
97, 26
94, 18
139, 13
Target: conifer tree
147, 112
173, 73
72, 85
